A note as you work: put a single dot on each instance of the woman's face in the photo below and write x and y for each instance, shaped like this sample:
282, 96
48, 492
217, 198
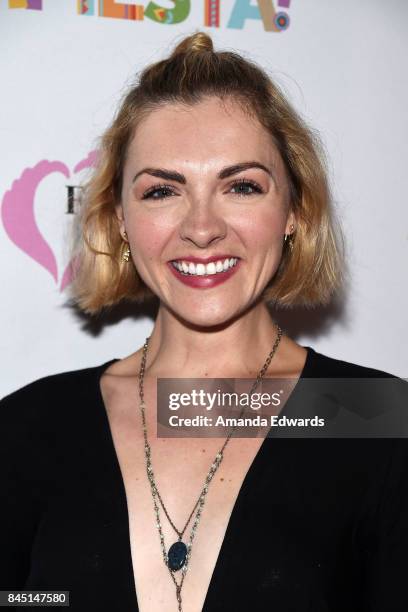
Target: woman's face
204, 183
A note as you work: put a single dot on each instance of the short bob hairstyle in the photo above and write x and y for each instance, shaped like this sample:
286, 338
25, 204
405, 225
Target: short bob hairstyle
311, 267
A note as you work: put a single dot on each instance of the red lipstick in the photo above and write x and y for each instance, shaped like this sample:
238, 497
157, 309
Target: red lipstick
205, 281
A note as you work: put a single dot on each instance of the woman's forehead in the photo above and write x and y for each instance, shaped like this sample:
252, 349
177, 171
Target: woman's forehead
212, 128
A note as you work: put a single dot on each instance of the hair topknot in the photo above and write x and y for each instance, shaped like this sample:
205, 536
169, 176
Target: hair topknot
196, 43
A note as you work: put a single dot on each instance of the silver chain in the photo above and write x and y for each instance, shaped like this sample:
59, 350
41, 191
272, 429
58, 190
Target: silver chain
214, 466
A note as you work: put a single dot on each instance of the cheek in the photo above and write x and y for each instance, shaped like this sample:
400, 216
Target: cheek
148, 236
263, 230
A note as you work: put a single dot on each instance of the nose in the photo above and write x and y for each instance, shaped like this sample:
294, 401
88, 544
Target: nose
202, 226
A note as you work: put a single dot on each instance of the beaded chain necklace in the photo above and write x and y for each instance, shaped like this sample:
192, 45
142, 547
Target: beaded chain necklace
179, 553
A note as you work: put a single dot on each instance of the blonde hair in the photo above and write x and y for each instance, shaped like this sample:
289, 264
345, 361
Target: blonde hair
308, 274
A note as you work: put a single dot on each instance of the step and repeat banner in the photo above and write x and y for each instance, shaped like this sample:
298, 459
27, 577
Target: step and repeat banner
65, 64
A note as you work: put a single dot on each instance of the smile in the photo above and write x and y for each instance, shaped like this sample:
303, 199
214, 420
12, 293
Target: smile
199, 269
199, 275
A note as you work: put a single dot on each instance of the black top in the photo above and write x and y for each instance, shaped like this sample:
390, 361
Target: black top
319, 525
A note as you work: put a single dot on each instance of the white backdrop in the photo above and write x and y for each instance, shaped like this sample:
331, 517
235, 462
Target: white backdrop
343, 64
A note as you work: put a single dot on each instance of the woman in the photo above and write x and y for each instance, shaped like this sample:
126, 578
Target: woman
209, 195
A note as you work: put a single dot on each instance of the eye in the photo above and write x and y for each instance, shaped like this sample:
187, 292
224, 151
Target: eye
158, 192
246, 187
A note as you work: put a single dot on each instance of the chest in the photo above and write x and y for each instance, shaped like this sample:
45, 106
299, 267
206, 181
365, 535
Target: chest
180, 467
287, 544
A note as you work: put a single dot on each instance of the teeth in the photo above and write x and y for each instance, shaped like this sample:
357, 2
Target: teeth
214, 267
211, 269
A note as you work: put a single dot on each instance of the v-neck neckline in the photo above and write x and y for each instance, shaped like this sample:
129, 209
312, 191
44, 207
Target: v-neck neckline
245, 485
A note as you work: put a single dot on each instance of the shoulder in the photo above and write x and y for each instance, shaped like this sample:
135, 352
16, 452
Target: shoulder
321, 365
364, 401
50, 395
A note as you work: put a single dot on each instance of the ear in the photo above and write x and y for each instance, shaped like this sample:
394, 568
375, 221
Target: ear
120, 218
290, 227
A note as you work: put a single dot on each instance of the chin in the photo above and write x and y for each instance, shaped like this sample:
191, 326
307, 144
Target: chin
206, 318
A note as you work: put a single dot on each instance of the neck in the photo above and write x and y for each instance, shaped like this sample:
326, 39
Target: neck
236, 349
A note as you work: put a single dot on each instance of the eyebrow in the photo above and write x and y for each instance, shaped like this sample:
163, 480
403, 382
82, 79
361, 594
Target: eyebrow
171, 175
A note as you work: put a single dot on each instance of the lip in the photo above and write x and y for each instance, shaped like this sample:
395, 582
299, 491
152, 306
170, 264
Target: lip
206, 281
206, 260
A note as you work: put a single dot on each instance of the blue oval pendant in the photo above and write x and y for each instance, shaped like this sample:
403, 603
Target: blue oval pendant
177, 556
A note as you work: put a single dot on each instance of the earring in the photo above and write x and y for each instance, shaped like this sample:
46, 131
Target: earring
126, 252
290, 241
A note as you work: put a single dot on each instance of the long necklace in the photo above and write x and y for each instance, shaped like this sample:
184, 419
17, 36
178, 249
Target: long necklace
179, 553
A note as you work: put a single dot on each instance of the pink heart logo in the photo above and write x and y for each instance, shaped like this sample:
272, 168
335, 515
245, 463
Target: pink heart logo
19, 220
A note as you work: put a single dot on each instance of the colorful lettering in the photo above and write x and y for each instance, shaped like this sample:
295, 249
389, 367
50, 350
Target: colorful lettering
119, 10
212, 13
85, 7
33, 5
281, 21
265, 12
179, 13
